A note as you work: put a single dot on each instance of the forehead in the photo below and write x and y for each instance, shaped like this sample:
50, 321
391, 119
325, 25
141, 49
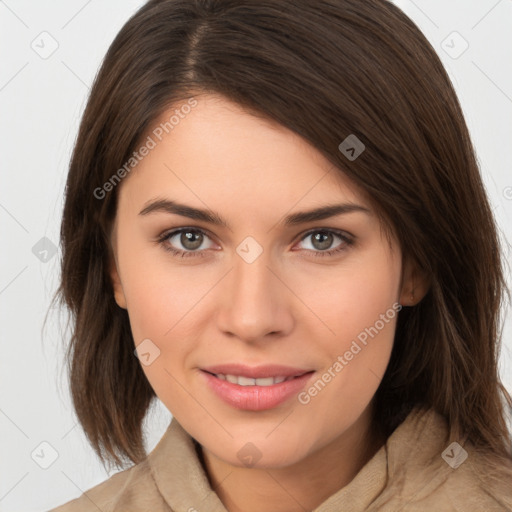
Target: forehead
219, 153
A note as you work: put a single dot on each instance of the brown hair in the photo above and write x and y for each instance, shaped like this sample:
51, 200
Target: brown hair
324, 69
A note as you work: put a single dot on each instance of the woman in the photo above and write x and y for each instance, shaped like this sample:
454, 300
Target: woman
275, 223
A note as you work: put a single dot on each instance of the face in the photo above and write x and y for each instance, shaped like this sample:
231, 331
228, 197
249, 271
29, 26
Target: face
228, 301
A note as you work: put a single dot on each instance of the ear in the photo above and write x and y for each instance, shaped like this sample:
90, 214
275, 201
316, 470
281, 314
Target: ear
415, 283
116, 283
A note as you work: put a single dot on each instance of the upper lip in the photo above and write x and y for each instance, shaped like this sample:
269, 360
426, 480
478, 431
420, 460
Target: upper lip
256, 372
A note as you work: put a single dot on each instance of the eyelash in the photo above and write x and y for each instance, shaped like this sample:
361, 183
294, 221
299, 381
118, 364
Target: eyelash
164, 237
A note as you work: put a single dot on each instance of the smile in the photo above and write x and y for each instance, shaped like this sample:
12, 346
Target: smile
248, 381
255, 389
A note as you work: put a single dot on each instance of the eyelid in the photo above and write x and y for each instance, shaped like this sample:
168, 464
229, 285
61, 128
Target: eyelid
169, 233
331, 230
345, 235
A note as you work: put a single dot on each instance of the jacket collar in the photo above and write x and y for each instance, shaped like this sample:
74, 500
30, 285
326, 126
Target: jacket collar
179, 475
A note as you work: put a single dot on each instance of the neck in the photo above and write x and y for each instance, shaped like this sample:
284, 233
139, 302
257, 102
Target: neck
300, 486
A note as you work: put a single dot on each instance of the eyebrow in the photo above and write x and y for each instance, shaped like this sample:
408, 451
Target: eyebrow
324, 212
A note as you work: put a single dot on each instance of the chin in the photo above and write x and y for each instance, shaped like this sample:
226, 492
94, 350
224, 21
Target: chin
259, 451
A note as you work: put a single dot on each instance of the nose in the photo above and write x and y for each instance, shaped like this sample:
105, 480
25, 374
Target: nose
254, 302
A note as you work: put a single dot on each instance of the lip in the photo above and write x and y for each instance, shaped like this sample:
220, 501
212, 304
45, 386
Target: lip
256, 398
256, 372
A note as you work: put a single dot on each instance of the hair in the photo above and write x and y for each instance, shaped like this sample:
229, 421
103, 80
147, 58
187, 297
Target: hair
325, 70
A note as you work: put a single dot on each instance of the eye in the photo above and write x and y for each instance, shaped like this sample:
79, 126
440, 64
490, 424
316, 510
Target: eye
185, 242
322, 240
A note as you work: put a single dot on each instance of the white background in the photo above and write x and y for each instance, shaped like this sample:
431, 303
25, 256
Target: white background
41, 101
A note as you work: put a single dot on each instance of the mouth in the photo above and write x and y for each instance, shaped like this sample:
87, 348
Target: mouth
242, 380
255, 388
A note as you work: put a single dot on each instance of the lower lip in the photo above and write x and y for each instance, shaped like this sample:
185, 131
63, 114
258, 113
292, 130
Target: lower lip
256, 398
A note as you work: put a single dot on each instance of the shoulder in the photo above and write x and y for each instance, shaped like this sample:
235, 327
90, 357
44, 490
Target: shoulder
133, 487
477, 484
428, 471
468, 479
483, 484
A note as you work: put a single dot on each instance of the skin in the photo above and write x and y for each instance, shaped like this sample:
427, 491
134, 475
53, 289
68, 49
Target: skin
287, 307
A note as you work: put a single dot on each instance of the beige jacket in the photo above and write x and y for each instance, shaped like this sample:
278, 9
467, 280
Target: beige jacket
409, 473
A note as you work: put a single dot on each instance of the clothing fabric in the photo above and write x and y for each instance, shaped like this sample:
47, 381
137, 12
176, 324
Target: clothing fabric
408, 473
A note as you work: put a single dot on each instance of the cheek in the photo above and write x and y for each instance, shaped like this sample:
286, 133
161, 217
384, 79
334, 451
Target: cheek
164, 305
349, 297
358, 311
159, 293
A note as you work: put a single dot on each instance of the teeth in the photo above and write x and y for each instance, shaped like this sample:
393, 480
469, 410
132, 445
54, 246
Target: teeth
267, 381
247, 381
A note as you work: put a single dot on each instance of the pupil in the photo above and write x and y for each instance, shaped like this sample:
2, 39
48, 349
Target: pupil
191, 240
322, 240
